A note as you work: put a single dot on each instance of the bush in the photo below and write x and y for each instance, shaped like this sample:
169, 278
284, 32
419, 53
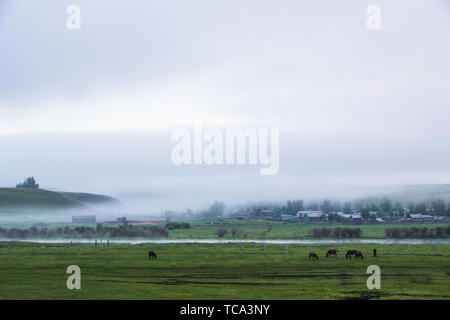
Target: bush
177, 225
415, 232
337, 232
221, 232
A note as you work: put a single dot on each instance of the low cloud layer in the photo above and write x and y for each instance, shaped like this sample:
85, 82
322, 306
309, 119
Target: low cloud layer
93, 109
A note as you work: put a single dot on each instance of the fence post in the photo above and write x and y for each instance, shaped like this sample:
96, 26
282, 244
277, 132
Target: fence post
264, 248
240, 249
96, 243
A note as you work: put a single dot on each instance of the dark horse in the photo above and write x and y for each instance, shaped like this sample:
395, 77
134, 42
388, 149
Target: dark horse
313, 255
151, 254
331, 252
350, 253
359, 254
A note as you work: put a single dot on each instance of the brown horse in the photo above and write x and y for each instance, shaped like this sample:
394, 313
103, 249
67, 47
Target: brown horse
151, 254
350, 253
331, 252
313, 255
359, 254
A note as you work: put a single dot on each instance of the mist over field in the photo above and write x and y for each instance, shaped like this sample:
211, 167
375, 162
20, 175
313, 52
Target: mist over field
359, 112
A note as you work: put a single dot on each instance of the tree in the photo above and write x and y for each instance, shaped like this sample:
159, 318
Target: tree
373, 207
222, 232
386, 205
294, 206
365, 213
347, 208
217, 208
421, 208
326, 206
336, 206
438, 207
399, 208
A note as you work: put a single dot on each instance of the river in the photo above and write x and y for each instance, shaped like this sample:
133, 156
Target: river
266, 241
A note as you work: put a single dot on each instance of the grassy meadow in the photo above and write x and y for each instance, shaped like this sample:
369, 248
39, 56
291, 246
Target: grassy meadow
219, 271
264, 229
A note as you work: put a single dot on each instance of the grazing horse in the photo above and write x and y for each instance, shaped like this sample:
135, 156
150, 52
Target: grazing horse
359, 254
313, 255
331, 252
374, 252
350, 253
151, 254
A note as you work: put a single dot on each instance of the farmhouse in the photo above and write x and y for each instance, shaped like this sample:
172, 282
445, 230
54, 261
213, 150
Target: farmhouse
83, 219
356, 218
309, 215
420, 217
343, 215
288, 217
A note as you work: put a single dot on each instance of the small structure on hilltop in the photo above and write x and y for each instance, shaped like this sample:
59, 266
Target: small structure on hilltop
28, 183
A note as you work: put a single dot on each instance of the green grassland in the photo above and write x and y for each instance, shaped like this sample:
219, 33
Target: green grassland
259, 229
243, 229
219, 271
14, 199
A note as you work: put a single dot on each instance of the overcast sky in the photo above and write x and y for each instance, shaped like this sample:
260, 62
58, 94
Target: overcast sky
93, 109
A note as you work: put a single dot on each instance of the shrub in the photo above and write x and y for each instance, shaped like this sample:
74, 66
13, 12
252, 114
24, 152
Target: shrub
177, 225
221, 232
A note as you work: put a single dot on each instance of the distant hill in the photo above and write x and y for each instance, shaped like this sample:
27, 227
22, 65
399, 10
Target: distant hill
420, 193
14, 199
90, 198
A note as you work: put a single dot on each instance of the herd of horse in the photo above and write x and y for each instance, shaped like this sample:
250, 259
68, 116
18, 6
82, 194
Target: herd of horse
333, 252
313, 255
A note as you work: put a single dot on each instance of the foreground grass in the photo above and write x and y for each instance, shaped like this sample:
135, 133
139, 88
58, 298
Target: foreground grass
202, 271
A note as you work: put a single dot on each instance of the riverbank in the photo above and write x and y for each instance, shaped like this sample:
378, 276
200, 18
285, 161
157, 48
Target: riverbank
225, 241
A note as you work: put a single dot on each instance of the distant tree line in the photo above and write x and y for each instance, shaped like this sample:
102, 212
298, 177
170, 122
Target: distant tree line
177, 225
337, 232
383, 207
418, 232
234, 232
123, 231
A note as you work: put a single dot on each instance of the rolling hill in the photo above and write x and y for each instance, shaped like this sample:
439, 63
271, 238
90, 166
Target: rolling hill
14, 199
